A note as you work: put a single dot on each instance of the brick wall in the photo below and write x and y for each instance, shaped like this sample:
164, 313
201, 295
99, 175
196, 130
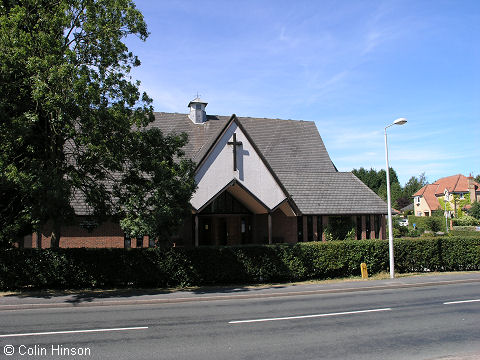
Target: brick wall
284, 228
105, 235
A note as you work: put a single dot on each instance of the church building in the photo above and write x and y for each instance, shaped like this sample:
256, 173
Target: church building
260, 181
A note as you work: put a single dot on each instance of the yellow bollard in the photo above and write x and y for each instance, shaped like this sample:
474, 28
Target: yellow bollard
363, 268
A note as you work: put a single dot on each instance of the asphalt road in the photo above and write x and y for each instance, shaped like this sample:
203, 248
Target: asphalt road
418, 322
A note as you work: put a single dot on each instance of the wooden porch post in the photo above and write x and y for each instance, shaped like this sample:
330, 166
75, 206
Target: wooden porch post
364, 227
383, 230
372, 227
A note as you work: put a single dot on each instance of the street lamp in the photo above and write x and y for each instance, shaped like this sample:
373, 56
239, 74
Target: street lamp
399, 121
445, 199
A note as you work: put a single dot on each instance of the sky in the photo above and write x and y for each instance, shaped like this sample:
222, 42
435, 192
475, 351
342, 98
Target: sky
353, 67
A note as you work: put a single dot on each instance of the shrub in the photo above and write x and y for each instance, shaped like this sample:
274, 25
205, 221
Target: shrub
475, 210
177, 267
464, 230
398, 230
466, 220
414, 233
340, 228
426, 223
434, 223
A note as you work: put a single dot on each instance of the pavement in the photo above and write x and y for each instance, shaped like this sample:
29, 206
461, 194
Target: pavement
47, 299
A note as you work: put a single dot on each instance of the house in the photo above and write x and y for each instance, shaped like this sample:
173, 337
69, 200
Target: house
429, 198
260, 181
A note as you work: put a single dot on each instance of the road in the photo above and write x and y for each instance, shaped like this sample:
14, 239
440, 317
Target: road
421, 322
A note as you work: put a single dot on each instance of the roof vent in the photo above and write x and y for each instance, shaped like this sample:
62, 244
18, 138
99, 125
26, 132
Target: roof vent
197, 110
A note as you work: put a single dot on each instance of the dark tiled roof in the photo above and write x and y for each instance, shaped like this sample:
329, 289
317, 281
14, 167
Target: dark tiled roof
331, 193
291, 144
296, 154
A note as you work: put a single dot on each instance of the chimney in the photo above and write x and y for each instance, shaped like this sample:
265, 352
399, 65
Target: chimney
197, 111
471, 188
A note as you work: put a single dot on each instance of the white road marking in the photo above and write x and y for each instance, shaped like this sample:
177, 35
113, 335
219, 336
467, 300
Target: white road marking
74, 331
461, 302
309, 316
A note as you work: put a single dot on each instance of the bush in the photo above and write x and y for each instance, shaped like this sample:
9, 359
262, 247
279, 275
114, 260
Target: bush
434, 223
465, 220
426, 223
464, 230
177, 267
340, 228
398, 230
475, 210
414, 233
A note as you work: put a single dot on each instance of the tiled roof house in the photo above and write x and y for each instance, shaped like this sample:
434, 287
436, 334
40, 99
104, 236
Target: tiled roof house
425, 200
259, 181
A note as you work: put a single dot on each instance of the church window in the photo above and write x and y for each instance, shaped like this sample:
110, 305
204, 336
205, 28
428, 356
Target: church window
139, 241
359, 227
151, 242
377, 226
309, 228
225, 203
299, 228
127, 242
368, 226
320, 227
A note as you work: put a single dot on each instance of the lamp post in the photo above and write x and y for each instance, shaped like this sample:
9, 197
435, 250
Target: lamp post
399, 121
445, 199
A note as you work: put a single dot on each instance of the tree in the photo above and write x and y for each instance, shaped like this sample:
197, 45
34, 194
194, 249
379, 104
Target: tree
75, 126
377, 181
411, 187
475, 210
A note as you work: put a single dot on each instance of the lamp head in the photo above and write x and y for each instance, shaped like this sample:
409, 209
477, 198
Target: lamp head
400, 121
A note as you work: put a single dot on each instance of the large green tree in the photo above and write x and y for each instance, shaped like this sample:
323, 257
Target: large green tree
377, 181
74, 126
411, 187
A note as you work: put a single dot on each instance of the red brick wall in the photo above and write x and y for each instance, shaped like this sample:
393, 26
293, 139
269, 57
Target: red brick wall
284, 228
105, 235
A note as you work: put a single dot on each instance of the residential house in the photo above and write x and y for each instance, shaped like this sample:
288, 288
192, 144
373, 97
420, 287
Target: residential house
447, 189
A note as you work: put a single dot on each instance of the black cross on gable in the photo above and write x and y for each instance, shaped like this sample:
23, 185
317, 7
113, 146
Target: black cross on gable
234, 143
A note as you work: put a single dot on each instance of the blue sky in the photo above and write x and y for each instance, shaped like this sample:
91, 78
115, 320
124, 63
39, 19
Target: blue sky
353, 67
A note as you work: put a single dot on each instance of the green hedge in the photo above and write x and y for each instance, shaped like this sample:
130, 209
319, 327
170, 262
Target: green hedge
426, 222
113, 268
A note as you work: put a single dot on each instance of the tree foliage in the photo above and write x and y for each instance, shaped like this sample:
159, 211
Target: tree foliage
74, 125
475, 210
377, 181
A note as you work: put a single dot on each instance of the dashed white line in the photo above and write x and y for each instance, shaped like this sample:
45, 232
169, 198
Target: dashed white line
461, 302
309, 316
74, 331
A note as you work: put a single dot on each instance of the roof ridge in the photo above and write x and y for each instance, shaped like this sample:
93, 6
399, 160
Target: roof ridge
239, 117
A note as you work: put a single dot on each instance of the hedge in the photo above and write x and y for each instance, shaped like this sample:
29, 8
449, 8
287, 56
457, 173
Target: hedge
178, 267
425, 222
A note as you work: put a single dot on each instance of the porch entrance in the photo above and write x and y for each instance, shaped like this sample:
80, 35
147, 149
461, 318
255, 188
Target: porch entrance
225, 221
218, 230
